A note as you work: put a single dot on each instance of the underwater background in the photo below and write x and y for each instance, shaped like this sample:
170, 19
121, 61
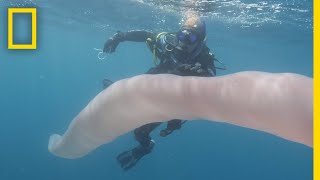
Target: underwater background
42, 90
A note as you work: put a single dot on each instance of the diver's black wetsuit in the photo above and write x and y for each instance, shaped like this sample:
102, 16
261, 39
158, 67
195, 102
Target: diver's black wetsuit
170, 61
169, 65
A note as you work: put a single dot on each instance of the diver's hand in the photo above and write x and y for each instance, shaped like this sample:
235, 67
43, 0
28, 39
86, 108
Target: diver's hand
112, 43
193, 69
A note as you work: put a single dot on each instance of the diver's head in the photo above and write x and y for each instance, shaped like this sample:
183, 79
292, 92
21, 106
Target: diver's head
191, 34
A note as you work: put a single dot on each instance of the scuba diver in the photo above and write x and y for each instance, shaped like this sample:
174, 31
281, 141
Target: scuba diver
181, 53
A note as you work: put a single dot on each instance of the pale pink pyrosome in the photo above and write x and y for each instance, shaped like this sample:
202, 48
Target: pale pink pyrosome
280, 104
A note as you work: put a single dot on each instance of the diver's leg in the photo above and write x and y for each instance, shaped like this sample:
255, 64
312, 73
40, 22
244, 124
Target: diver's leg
171, 126
128, 159
174, 124
142, 134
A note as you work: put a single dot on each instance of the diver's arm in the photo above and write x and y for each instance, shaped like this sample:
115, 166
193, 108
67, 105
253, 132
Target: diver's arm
136, 36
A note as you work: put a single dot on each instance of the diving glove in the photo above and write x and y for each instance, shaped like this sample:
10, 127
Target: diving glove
191, 69
112, 43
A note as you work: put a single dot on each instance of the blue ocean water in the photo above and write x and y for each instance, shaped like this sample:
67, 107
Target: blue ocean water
42, 90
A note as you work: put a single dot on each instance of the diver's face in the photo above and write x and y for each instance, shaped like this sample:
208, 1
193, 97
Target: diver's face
187, 47
187, 40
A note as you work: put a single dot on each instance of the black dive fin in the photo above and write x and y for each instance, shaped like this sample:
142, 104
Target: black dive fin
106, 83
127, 160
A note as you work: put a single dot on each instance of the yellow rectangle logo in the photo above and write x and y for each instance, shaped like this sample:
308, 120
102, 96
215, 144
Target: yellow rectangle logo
33, 44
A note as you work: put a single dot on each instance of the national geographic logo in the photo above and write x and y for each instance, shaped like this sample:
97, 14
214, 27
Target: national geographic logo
33, 12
